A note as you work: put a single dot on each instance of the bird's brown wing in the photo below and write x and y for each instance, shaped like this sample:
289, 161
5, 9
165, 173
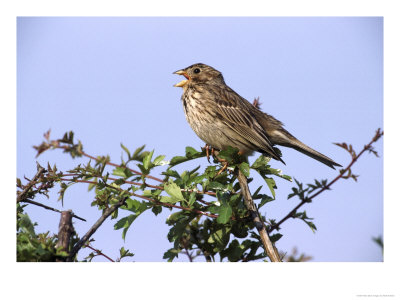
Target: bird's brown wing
233, 110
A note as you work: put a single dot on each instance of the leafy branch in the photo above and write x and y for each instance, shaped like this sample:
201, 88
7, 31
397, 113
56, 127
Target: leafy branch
215, 213
306, 195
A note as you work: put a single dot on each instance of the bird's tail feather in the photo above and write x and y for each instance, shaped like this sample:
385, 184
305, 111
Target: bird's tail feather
284, 138
299, 146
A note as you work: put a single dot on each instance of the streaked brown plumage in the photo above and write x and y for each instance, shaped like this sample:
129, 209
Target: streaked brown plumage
222, 118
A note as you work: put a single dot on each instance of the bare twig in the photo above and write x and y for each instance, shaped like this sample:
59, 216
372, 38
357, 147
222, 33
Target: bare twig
39, 173
188, 254
98, 252
107, 212
377, 136
269, 248
50, 208
208, 257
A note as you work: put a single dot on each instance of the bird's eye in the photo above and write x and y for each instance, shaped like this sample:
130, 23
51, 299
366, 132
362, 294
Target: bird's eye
196, 71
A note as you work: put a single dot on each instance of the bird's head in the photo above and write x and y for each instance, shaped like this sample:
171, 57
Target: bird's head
199, 73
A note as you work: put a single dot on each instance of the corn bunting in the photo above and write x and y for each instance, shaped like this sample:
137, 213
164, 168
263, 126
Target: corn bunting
222, 118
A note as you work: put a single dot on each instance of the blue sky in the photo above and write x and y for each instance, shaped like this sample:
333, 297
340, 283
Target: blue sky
110, 81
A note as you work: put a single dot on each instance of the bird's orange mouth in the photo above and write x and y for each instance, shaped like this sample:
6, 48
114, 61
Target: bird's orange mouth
183, 82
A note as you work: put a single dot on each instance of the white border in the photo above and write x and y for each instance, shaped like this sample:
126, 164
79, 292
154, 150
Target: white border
200, 280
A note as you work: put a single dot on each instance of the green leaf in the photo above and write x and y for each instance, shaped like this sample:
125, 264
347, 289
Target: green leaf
378, 240
265, 199
176, 160
172, 218
244, 167
143, 169
26, 225
199, 179
166, 199
262, 167
256, 194
138, 155
92, 185
158, 161
156, 209
171, 254
260, 162
271, 184
230, 154
132, 205
239, 230
278, 172
125, 223
220, 238
124, 253
311, 225
233, 252
191, 152
214, 185
122, 172
174, 191
192, 198
171, 173
126, 150
275, 237
225, 213
147, 160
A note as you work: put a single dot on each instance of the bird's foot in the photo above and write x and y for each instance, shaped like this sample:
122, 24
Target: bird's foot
225, 165
208, 148
214, 153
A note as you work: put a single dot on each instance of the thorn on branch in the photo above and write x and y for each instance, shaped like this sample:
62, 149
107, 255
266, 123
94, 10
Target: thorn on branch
21, 196
342, 173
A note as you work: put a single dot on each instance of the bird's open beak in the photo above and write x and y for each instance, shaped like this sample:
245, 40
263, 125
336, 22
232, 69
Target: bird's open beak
183, 82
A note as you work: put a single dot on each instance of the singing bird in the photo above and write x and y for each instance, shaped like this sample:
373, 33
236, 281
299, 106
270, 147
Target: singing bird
222, 118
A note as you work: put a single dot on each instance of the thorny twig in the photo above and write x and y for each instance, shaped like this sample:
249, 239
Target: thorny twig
109, 163
106, 213
377, 136
31, 183
150, 186
98, 252
50, 208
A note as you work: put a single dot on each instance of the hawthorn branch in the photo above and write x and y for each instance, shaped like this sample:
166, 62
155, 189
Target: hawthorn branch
31, 183
98, 252
107, 212
149, 199
188, 254
148, 185
50, 208
57, 146
269, 248
377, 136
164, 203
